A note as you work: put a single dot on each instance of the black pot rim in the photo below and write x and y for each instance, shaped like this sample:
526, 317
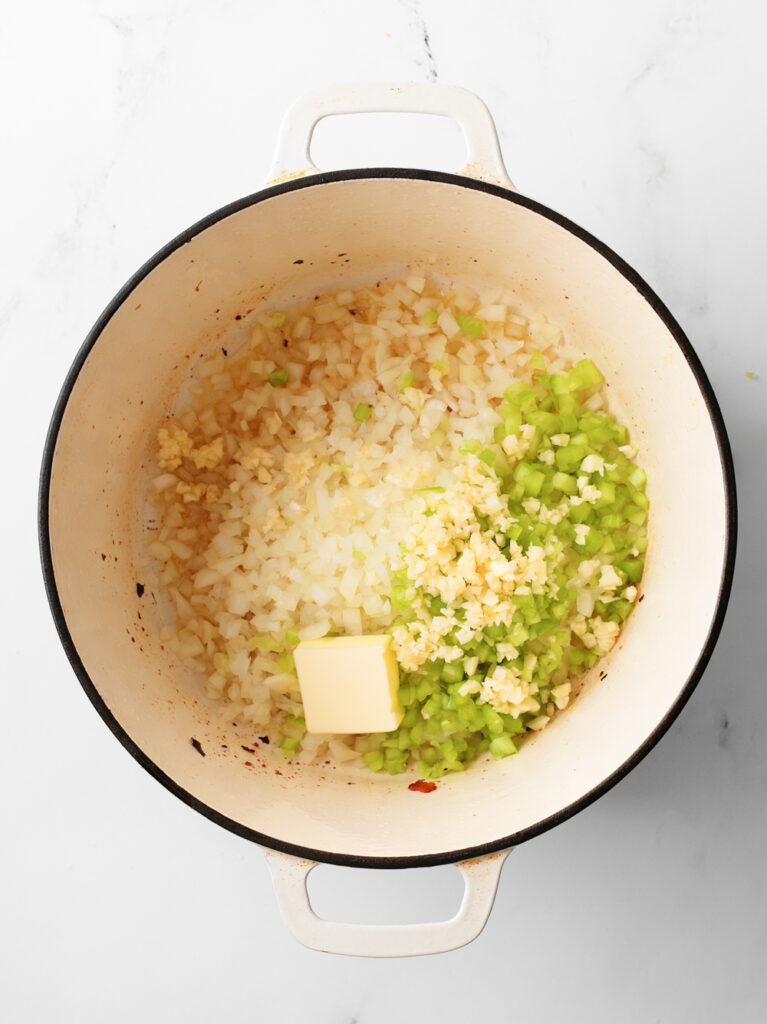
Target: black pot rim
448, 856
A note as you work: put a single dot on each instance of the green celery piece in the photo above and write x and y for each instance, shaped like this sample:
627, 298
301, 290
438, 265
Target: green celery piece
488, 457
290, 746
565, 483
453, 671
406, 381
610, 521
533, 482
362, 412
594, 541
607, 490
635, 515
493, 721
278, 319
547, 422
431, 316
637, 477
406, 694
537, 361
471, 325
601, 434
279, 378
417, 732
633, 568
570, 457
568, 405
559, 384
399, 599
286, 664
470, 447
412, 715
640, 498
502, 746
374, 759
433, 669
620, 608
584, 375
424, 689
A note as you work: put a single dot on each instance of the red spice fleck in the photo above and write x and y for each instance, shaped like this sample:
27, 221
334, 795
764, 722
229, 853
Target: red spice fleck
249, 764
139, 306
197, 286
277, 771
422, 786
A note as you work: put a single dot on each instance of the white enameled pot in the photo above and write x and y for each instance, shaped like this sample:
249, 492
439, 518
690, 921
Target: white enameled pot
311, 232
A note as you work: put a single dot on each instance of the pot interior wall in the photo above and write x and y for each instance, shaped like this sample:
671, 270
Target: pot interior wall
290, 247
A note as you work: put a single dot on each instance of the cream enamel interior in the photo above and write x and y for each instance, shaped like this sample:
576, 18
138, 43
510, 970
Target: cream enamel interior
382, 226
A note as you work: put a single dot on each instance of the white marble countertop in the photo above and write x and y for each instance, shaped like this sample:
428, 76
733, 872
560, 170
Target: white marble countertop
123, 123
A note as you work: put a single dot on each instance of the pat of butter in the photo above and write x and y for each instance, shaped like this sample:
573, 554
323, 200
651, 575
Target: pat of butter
349, 684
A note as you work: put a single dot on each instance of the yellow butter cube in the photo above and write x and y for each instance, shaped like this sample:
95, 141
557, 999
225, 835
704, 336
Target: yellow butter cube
349, 684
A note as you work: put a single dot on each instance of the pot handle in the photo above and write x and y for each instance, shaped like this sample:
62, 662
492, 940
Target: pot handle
293, 158
480, 877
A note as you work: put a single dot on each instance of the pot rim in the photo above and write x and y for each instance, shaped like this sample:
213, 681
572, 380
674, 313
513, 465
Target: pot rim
443, 857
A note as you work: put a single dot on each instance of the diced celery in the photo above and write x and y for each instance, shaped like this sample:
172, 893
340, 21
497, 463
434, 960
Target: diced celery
640, 498
399, 599
488, 457
565, 483
471, 325
374, 759
570, 457
607, 491
610, 521
584, 375
441, 366
362, 412
453, 671
292, 637
493, 721
290, 746
469, 447
635, 515
279, 378
533, 482
637, 477
633, 568
423, 689
594, 541
406, 694
406, 381
502, 746
278, 319
431, 316
537, 361
417, 732
548, 422
286, 664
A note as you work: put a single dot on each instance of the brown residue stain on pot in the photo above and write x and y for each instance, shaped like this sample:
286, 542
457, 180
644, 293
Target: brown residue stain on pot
422, 786
287, 176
